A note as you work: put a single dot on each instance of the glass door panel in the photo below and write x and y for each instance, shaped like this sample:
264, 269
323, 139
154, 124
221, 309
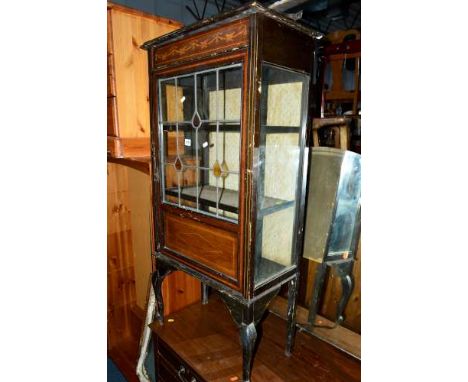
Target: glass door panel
282, 107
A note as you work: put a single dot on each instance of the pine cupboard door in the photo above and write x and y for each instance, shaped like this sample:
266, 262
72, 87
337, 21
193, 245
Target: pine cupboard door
128, 120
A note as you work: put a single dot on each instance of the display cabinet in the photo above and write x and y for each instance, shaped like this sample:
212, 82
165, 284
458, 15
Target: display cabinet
230, 104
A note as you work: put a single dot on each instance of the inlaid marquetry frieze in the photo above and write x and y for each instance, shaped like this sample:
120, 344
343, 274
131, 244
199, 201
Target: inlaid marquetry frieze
234, 35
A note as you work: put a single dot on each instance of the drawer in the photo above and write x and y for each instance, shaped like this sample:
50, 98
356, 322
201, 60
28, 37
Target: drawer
165, 372
212, 247
171, 368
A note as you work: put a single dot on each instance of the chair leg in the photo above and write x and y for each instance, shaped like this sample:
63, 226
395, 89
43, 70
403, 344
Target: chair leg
316, 292
345, 272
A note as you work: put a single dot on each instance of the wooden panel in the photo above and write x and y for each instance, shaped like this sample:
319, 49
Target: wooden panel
207, 340
110, 48
138, 13
276, 36
110, 76
121, 290
180, 290
112, 130
124, 355
336, 95
129, 31
140, 207
128, 147
120, 271
225, 38
210, 246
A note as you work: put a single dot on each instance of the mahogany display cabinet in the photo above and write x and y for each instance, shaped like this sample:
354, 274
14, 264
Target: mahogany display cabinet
231, 107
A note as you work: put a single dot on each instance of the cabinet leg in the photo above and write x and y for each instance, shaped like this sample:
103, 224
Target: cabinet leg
246, 316
318, 284
292, 297
345, 272
248, 335
162, 270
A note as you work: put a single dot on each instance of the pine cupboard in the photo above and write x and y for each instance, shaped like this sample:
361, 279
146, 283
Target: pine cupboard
129, 222
128, 125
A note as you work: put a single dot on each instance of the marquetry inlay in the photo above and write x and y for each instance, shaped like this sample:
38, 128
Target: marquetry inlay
228, 37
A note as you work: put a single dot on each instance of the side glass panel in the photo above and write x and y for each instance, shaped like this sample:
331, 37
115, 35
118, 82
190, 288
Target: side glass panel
199, 126
333, 204
282, 105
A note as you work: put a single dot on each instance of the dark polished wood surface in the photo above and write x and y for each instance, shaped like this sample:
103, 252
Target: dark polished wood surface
205, 341
276, 37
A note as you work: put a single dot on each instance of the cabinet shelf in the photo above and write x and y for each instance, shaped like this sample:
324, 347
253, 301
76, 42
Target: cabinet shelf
231, 127
228, 199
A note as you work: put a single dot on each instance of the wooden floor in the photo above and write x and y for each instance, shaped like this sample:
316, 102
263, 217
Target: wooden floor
207, 339
125, 355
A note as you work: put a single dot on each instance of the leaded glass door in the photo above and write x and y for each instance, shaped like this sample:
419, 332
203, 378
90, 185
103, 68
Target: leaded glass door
199, 131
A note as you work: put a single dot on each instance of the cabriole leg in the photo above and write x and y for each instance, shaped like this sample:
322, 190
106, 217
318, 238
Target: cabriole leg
162, 270
248, 335
246, 316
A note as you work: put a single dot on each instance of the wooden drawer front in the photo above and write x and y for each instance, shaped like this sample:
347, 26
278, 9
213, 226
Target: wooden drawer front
227, 37
165, 372
171, 367
168, 372
213, 247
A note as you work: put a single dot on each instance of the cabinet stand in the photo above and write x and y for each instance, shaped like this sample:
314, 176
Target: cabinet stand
245, 313
162, 270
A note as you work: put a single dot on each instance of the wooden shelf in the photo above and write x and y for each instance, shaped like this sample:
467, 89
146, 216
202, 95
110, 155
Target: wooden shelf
230, 127
339, 95
228, 199
139, 163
